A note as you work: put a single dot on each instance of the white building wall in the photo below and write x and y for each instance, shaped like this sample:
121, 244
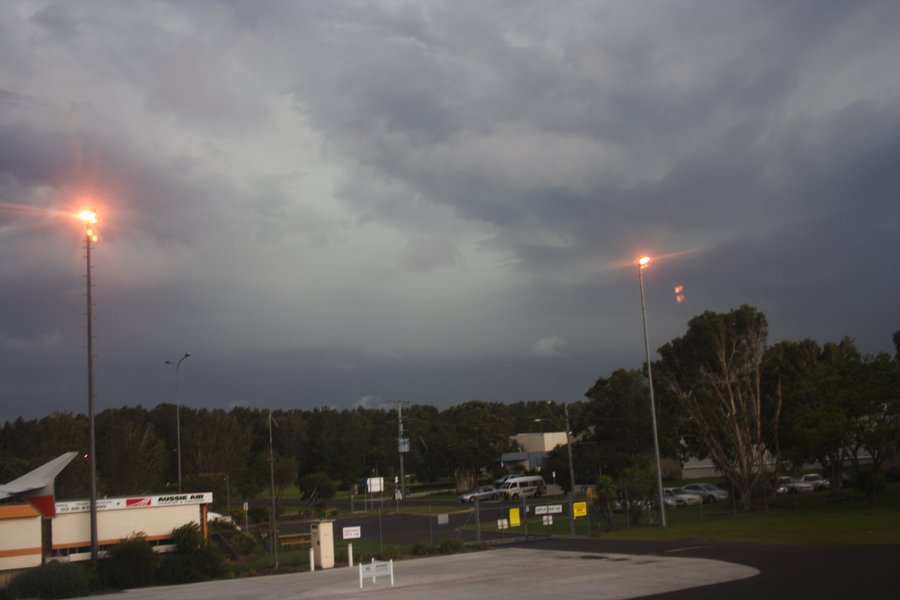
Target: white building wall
74, 529
20, 538
540, 442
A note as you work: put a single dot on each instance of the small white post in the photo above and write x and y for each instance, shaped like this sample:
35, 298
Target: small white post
350, 554
392, 572
312, 560
360, 576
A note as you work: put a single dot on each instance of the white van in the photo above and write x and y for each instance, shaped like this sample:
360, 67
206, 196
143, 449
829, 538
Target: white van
524, 486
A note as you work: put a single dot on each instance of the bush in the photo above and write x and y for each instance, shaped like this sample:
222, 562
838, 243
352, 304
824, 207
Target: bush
424, 549
131, 563
318, 486
51, 580
388, 553
192, 559
244, 543
872, 483
452, 546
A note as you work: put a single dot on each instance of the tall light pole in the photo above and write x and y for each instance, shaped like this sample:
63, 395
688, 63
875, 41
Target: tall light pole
571, 473
274, 534
90, 219
178, 413
402, 447
642, 264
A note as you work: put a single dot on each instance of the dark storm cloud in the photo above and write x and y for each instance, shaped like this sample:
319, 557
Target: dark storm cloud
329, 201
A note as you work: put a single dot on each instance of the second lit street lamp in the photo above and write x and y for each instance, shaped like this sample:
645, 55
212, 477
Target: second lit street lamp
642, 264
90, 220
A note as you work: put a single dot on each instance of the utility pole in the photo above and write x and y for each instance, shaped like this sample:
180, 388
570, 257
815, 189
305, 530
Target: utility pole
571, 472
274, 534
402, 446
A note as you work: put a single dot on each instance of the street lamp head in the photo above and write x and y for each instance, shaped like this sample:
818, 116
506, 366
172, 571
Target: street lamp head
644, 261
90, 219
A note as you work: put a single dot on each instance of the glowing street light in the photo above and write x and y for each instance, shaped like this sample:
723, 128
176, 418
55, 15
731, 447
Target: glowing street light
642, 264
90, 219
178, 413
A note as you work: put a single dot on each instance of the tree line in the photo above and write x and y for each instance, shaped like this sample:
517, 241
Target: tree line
722, 392
756, 410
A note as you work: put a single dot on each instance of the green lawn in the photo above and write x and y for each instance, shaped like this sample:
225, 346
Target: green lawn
808, 519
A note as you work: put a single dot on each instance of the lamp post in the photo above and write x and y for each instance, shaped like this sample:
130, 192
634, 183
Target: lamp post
642, 264
90, 219
571, 471
571, 474
178, 413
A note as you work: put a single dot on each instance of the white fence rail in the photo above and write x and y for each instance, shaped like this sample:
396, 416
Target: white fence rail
375, 569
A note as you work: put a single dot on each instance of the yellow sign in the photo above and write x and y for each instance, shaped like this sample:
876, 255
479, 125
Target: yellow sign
580, 509
514, 517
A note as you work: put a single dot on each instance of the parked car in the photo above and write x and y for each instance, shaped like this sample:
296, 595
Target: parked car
683, 498
818, 482
707, 491
789, 485
525, 486
480, 493
634, 504
502, 480
672, 500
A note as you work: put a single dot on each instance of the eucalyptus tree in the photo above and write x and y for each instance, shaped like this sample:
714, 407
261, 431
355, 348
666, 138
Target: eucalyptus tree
715, 372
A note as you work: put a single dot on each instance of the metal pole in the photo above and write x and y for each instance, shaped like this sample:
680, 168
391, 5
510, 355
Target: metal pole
178, 414
477, 520
227, 495
178, 426
659, 486
274, 533
400, 449
571, 474
92, 478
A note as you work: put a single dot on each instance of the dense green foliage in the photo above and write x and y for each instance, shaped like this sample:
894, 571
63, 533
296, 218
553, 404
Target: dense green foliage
131, 563
51, 580
192, 559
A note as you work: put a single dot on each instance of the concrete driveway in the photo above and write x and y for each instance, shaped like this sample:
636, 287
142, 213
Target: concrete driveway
499, 574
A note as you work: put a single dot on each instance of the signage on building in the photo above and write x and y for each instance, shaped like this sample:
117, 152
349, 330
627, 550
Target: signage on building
134, 502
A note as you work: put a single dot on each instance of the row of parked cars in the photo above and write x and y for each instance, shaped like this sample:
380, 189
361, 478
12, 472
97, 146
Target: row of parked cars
513, 487
811, 482
508, 487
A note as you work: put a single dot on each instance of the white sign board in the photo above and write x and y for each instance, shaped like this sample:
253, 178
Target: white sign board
548, 509
134, 502
375, 484
352, 533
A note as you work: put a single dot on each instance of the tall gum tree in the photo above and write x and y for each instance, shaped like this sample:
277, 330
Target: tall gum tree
715, 374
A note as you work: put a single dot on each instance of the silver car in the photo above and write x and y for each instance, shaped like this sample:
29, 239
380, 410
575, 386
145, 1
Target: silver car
789, 485
707, 491
818, 482
480, 494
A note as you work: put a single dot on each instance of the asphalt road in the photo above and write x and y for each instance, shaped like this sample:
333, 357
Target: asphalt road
786, 571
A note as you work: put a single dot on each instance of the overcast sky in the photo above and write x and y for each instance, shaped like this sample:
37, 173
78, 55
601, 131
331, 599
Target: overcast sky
346, 203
